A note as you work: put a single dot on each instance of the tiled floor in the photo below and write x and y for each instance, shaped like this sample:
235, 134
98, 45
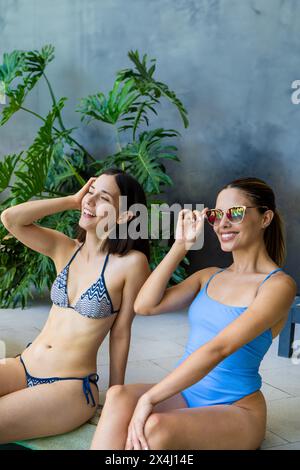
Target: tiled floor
157, 343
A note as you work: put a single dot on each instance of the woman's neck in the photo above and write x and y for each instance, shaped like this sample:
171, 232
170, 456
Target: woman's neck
92, 245
252, 259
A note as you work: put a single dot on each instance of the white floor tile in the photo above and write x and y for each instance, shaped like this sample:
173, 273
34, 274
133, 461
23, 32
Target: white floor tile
272, 393
283, 418
286, 379
272, 440
136, 372
294, 446
167, 363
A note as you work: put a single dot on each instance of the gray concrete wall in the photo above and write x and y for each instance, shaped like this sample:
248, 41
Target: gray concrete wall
232, 63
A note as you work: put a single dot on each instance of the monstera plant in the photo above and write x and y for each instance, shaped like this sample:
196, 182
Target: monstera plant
56, 164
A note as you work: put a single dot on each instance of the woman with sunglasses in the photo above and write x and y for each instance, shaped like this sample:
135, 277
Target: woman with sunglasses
51, 388
212, 399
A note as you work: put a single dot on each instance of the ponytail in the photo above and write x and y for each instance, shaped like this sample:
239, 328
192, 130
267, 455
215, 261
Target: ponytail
274, 239
261, 194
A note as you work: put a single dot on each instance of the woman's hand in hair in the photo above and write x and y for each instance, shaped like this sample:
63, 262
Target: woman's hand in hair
77, 197
190, 225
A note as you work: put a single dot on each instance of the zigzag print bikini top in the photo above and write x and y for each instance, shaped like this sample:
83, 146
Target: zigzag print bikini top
95, 302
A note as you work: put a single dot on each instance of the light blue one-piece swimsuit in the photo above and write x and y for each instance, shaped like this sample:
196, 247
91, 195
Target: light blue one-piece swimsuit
237, 375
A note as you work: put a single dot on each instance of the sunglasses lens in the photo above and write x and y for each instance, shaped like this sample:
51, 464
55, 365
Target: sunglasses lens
210, 217
213, 216
236, 214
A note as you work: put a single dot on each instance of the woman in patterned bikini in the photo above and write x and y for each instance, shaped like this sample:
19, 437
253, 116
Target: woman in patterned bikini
51, 388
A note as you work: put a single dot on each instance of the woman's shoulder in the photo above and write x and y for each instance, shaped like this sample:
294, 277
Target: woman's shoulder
134, 265
283, 278
133, 257
205, 273
281, 288
65, 251
209, 271
136, 256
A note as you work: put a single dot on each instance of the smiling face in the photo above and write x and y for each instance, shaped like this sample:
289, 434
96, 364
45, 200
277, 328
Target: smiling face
250, 230
102, 201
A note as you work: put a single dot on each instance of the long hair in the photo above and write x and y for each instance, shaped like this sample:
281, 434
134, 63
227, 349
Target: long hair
261, 194
131, 188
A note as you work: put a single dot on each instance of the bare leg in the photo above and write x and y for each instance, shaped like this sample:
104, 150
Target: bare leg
216, 427
44, 410
12, 376
121, 400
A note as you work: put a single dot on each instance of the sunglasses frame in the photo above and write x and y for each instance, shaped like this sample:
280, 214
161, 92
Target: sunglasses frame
230, 208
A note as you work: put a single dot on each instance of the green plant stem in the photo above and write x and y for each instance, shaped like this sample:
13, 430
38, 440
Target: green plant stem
54, 102
57, 130
119, 147
82, 148
61, 121
32, 112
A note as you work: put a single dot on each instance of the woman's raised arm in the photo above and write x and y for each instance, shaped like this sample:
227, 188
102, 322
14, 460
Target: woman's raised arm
19, 221
154, 297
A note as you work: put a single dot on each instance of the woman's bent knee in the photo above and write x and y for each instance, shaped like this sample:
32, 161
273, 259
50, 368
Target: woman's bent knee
120, 392
156, 432
115, 392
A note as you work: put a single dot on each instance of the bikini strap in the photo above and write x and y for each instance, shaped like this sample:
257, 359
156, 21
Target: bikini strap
74, 255
213, 275
105, 263
269, 275
87, 388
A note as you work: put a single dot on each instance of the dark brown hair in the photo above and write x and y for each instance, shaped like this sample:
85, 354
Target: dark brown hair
260, 194
131, 188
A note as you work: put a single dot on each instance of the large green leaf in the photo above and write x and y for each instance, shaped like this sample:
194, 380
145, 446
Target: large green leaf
12, 66
119, 101
143, 159
145, 82
64, 164
26, 68
32, 175
21, 268
36, 62
7, 168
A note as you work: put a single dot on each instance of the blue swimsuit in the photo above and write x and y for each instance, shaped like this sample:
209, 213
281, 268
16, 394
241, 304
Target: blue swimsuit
95, 302
237, 375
